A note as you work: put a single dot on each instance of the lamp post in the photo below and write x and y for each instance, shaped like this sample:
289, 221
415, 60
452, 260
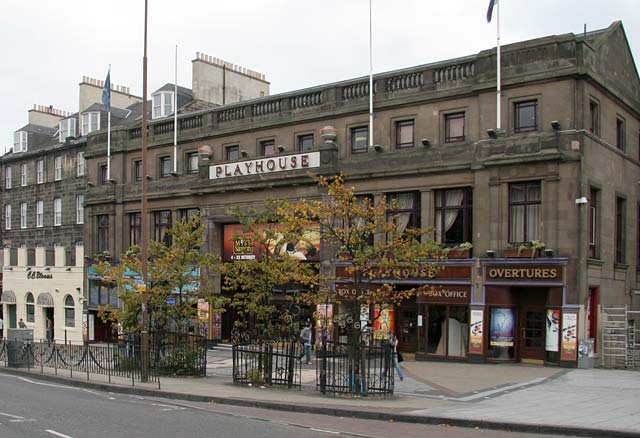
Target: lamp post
144, 338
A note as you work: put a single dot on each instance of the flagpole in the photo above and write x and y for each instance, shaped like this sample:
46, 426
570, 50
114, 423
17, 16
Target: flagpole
498, 93
175, 117
109, 130
370, 79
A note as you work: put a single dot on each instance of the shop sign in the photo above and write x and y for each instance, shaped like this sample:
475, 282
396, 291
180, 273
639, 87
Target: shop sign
502, 327
37, 275
447, 294
524, 273
476, 334
265, 165
348, 291
553, 329
419, 272
569, 336
239, 245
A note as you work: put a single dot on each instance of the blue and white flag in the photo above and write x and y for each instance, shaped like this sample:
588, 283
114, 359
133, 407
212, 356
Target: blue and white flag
490, 10
106, 91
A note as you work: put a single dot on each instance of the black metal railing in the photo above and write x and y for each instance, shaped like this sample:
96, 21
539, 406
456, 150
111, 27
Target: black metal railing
268, 363
355, 369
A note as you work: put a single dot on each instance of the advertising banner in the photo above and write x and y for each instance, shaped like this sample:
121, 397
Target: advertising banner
569, 336
239, 245
216, 327
553, 330
384, 322
476, 333
502, 327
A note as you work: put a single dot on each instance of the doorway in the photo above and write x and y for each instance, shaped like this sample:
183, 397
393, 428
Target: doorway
49, 330
532, 335
11, 310
407, 329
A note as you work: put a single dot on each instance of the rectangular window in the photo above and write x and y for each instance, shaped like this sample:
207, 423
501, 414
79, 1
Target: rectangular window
525, 116
453, 127
80, 164
103, 178
186, 213
620, 229
192, 162
102, 243
620, 133
135, 228
453, 219
7, 217
24, 174
67, 128
404, 208
23, 215
165, 166
20, 141
57, 166
57, 211
90, 122
305, 142
404, 134
267, 147
7, 177
161, 224
593, 223
40, 214
40, 171
594, 120
232, 152
80, 209
359, 139
524, 212
137, 170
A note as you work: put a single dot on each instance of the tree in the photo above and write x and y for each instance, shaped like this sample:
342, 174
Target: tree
271, 267
179, 274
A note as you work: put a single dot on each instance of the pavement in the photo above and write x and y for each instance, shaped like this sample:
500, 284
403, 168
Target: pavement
517, 397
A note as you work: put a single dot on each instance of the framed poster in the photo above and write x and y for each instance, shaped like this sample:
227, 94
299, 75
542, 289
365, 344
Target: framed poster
553, 330
502, 327
569, 336
476, 333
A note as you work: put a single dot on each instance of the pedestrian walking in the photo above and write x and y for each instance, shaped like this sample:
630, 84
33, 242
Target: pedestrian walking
305, 341
393, 342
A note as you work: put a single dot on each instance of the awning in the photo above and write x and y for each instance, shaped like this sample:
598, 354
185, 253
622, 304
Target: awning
45, 300
8, 297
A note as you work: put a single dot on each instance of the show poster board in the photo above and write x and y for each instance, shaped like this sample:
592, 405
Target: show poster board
502, 327
384, 323
476, 332
569, 336
553, 330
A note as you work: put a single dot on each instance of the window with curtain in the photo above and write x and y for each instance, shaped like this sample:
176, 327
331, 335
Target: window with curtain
30, 308
135, 228
162, 223
69, 312
453, 219
524, 212
405, 208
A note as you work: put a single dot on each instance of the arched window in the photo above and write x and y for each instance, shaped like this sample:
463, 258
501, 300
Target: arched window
69, 312
31, 308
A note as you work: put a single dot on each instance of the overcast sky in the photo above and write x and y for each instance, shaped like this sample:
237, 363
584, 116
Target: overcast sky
47, 46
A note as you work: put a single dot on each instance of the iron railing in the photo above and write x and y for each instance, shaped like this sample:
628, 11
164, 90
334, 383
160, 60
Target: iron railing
355, 369
268, 363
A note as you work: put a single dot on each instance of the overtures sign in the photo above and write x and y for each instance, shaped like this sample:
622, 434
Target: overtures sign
265, 165
524, 273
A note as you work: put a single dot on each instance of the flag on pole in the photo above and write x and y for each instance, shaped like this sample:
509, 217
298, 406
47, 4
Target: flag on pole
106, 91
490, 10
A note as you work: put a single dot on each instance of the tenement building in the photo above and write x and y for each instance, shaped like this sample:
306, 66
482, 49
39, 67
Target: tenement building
547, 207
43, 194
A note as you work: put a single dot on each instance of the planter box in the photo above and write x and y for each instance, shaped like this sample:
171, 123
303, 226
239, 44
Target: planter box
459, 254
522, 253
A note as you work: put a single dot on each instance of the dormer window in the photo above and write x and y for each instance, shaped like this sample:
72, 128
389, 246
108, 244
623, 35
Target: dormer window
67, 129
20, 141
90, 122
162, 104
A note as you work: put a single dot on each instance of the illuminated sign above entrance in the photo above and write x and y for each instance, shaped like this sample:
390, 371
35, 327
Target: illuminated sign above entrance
265, 165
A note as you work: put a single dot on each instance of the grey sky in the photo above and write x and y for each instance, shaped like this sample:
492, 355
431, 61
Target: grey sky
47, 46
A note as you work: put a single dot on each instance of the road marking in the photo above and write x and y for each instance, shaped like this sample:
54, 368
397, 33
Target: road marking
61, 435
168, 407
98, 394
17, 417
325, 431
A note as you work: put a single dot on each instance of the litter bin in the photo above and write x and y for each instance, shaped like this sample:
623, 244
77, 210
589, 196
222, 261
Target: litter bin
19, 352
585, 353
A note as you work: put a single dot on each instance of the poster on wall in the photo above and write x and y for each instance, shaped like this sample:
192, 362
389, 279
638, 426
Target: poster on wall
569, 336
239, 245
85, 327
384, 322
502, 327
216, 327
553, 330
324, 314
476, 332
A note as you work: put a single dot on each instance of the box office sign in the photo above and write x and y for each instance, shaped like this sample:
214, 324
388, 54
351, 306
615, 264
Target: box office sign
239, 245
445, 294
265, 165
524, 273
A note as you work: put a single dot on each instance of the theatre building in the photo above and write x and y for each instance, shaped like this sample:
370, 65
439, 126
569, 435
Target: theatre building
544, 211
